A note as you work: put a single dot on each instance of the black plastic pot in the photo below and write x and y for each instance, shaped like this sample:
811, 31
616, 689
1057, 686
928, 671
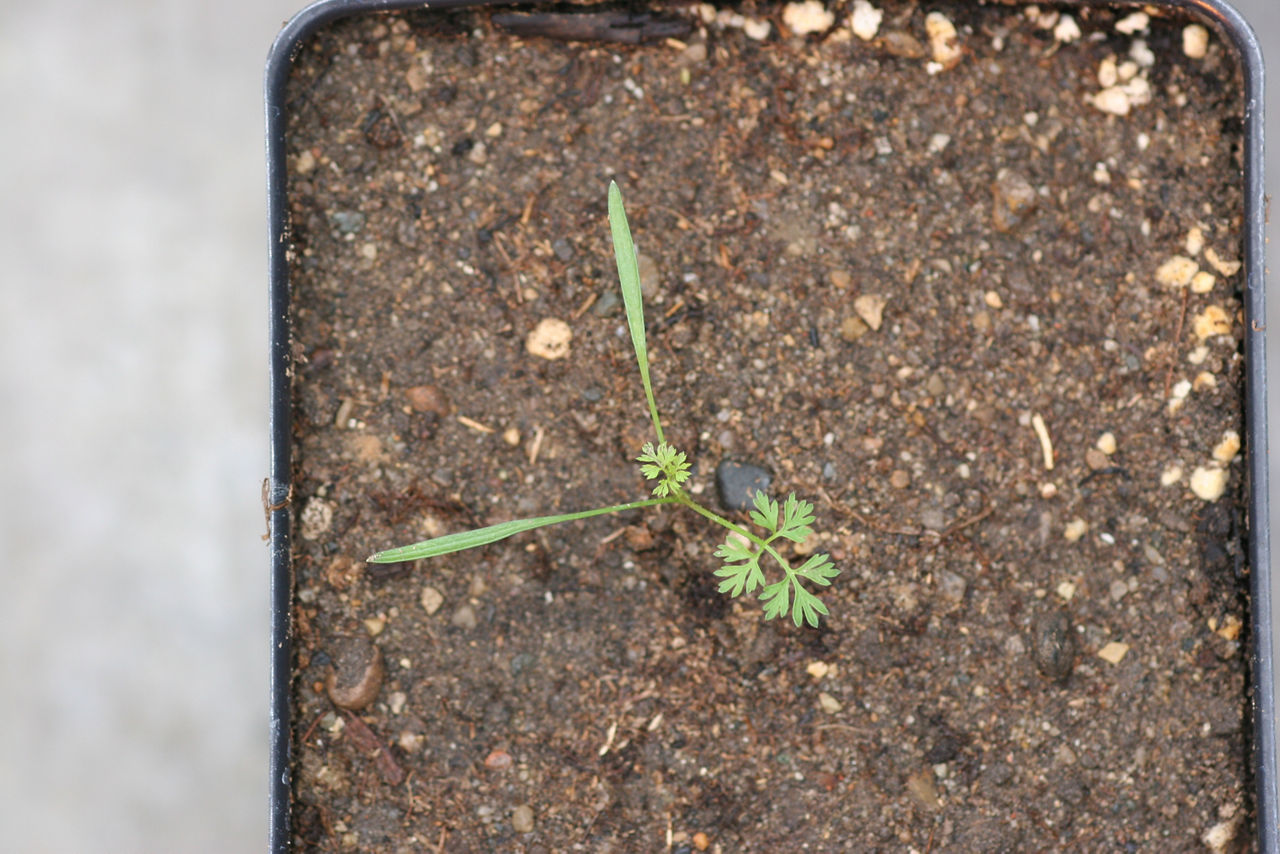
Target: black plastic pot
1263, 587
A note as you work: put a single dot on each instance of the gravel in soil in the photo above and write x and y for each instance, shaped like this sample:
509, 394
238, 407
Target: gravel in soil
972, 291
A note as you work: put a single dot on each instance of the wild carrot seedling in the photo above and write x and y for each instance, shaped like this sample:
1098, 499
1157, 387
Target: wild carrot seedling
742, 549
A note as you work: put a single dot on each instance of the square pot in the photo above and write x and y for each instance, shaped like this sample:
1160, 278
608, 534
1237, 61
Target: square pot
947, 368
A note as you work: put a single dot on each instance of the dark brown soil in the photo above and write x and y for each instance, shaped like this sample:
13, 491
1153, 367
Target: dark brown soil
587, 680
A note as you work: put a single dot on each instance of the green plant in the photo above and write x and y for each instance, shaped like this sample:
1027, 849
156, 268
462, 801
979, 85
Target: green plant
742, 549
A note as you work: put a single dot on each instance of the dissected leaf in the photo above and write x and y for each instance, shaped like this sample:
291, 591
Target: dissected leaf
797, 515
818, 569
807, 608
766, 513
775, 598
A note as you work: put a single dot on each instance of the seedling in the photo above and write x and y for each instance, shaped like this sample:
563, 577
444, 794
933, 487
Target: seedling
742, 549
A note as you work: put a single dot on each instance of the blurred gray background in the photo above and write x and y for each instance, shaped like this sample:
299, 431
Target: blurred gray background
133, 605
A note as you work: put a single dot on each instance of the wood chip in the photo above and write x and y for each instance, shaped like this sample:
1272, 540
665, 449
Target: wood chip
1046, 444
474, 425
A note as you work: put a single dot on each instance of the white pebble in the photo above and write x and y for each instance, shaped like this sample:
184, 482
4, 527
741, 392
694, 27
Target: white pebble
865, 20
1134, 23
1195, 41
1107, 443
1171, 475
1224, 267
1074, 530
1067, 30
807, 17
432, 599
1209, 483
757, 30
1111, 100
1107, 74
1210, 322
1177, 272
1226, 450
1198, 355
1202, 282
943, 42
549, 339
1195, 240
1140, 53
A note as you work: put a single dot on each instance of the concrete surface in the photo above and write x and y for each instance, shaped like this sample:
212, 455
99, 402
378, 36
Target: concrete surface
133, 625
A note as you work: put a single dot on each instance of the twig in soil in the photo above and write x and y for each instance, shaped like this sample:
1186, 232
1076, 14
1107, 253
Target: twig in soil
368, 742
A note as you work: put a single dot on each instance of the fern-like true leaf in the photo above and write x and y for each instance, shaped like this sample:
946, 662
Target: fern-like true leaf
797, 515
741, 571
766, 513
818, 569
776, 598
807, 608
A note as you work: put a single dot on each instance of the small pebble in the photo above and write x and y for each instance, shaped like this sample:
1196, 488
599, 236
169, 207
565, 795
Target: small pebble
428, 398
1202, 282
356, 675
817, 669
902, 45
899, 479
347, 222
1107, 443
317, 516
498, 760
829, 704
1195, 241
1114, 652
464, 617
870, 307
1171, 475
807, 17
511, 436
865, 20
549, 339
1195, 41
1177, 272
1118, 590
701, 841
1075, 529
1053, 645
1209, 483
1224, 267
650, 277
1113, 100
1014, 198
1132, 23
1095, 459
431, 599
1226, 450
737, 483
1204, 380
305, 163
943, 40
1066, 590
756, 29
1067, 30
852, 328
1210, 322
522, 819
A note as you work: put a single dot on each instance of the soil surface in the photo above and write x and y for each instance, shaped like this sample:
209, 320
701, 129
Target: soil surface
945, 291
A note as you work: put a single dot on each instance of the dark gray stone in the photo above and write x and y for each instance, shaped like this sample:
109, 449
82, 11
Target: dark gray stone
738, 483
